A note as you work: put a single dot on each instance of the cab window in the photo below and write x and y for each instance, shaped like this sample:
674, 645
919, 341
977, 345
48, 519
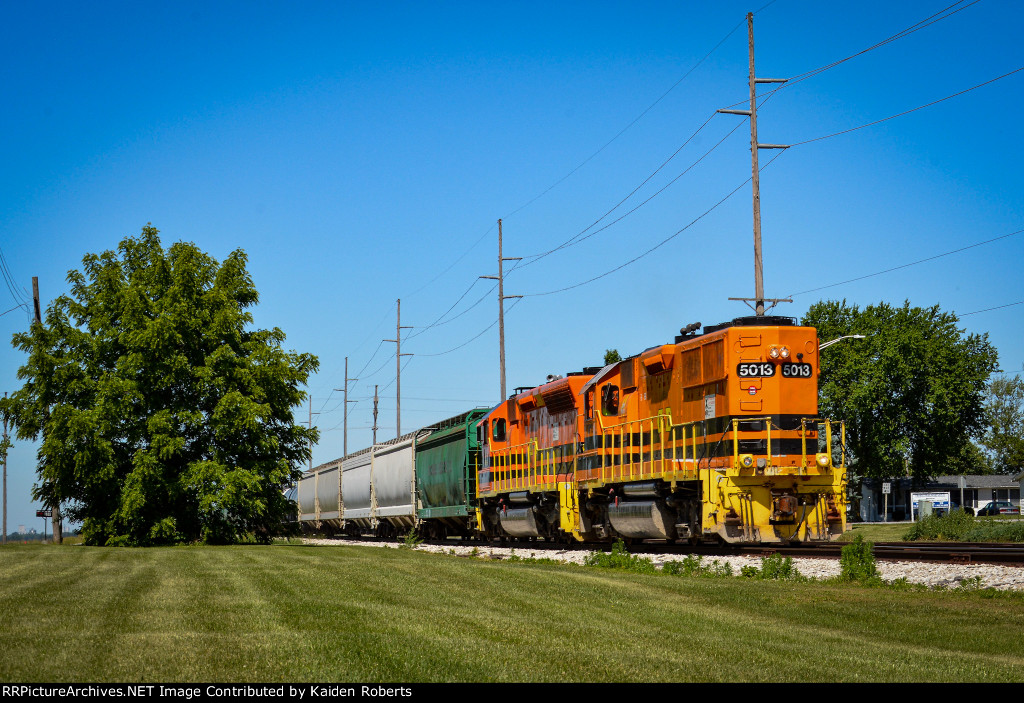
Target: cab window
498, 429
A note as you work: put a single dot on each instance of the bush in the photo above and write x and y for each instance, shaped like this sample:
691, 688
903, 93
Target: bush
411, 540
692, 566
993, 531
773, 568
953, 526
620, 558
857, 562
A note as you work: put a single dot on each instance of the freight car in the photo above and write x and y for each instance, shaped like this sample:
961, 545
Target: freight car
425, 479
714, 437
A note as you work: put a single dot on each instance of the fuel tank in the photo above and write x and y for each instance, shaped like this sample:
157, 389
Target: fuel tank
519, 522
642, 519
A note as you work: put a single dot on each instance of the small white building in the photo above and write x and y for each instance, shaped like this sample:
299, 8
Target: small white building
970, 491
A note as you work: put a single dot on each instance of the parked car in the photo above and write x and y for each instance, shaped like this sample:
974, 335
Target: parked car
999, 507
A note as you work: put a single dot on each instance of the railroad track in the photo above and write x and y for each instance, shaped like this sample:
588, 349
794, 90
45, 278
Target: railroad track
944, 552
941, 552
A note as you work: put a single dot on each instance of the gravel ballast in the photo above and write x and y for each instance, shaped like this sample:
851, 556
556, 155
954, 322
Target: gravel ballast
931, 574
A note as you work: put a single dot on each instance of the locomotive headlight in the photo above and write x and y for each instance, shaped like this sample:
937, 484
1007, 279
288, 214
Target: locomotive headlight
784, 352
746, 461
824, 460
774, 353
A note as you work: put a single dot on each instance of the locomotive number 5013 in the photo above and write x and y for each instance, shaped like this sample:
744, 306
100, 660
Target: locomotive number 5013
766, 370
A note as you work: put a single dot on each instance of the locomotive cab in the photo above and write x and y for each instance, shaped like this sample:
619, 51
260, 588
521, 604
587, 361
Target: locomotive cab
526, 478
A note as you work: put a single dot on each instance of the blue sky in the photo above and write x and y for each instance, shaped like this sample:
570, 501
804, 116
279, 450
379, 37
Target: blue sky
361, 153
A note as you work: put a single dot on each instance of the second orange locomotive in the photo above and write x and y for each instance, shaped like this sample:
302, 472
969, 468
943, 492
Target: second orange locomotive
713, 437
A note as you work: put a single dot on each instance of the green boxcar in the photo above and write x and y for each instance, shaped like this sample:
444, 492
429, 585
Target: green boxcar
445, 472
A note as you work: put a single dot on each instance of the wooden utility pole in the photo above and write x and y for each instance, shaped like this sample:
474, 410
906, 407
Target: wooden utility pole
5, 474
58, 524
311, 414
345, 412
398, 369
35, 299
759, 300
501, 308
375, 415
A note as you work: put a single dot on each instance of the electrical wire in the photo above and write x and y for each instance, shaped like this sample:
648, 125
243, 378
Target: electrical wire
997, 307
9, 279
635, 120
907, 112
581, 236
359, 346
452, 265
912, 263
19, 305
658, 245
569, 243
578, 237
437, 322
926, 22
650, 107
476, 336
407, 362
591, 157
456, 317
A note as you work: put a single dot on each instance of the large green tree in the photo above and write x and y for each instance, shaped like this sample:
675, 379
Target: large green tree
1004, 440
164, 416
912, 392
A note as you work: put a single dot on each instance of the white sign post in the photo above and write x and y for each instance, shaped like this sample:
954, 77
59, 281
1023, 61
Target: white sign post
886, 490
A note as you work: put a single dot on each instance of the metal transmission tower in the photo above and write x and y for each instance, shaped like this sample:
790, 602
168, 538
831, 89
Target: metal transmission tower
500, 278
759, 300
398, 369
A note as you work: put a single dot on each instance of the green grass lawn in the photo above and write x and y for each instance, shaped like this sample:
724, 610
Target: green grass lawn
886, 532
359, 614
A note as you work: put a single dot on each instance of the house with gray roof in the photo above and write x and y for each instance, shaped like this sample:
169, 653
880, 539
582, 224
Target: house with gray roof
971, 492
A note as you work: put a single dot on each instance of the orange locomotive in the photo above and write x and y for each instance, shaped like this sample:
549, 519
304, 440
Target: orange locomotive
714, 437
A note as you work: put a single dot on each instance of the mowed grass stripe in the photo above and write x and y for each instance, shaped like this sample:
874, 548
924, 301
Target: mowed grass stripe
294, 613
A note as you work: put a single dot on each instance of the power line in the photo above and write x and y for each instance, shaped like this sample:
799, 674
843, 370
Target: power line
997, 307
456, 317
912, 263
407, 362
452, 265
649, 199
635, 120
907, 112
20, 305
441, 316
9, 279
587, 160
578, 167
474, 337
942, 14
659, 244
926, 22
359, 346
578, 237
